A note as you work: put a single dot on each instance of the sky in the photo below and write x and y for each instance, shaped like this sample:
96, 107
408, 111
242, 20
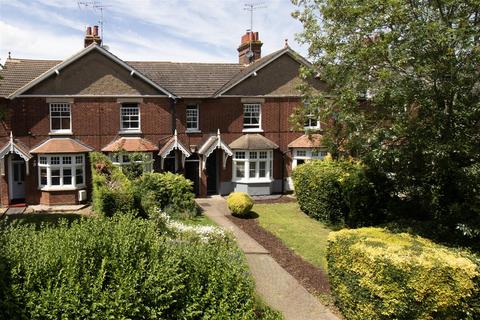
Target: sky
142, 30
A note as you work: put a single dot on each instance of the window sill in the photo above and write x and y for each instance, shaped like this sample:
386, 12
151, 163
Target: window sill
62, 188
312, 129
60, 133
253, 181
130, 132
193, 131
252, 130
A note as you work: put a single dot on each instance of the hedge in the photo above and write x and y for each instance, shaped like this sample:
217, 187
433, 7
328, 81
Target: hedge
112, 190
375, 274
119, 268
335, 192
239, 203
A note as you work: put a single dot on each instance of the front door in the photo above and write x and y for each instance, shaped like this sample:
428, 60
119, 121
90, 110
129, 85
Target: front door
17, 178
192, 173
212, 169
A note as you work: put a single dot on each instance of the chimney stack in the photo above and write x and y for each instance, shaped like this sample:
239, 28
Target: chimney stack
250, 40
92, 36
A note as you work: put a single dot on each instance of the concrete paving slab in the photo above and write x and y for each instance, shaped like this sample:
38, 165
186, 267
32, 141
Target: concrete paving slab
275, 285
59, 208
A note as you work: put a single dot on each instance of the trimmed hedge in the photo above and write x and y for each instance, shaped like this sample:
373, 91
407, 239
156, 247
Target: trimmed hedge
239, 203
119, 268
335, 192
375, 274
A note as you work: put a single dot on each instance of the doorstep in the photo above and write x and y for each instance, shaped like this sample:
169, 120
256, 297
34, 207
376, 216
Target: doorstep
56, 208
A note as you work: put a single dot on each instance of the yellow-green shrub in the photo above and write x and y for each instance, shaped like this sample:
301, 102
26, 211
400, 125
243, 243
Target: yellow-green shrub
239, 203
375, 274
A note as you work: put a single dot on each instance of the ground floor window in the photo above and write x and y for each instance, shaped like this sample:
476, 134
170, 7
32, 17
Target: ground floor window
253, 166
300, 156
61, 171
142, 161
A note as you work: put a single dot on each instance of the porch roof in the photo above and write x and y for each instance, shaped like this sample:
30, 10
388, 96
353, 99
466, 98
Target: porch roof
17, 147
174, 143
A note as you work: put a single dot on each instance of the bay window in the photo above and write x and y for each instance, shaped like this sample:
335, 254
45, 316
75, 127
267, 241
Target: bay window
300, 156
252, 166
144, 159
61, 171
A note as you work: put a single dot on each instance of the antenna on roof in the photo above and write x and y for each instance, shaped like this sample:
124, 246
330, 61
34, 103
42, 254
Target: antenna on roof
98, 6
251, 7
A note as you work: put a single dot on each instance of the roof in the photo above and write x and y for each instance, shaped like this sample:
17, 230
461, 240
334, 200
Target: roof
307, 141
253, 141
189, 79
56, 68
175, 78
171, 144
259, 64
130, 144
61, 145
15, 146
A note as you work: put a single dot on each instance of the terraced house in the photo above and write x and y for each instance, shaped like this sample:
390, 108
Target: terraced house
225, 126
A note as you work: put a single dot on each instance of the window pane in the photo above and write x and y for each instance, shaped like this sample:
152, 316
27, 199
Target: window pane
56, 124
262, 169
240, 172
55, 177
252, 169
43, 176
79, 175
65, 123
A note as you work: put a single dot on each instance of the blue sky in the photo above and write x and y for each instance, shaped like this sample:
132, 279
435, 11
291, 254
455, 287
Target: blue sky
165, 30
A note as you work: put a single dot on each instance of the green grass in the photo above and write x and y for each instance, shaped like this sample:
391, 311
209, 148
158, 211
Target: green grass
305, 236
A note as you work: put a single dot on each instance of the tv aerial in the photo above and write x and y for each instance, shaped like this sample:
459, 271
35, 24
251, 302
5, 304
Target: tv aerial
251, 7
96, 5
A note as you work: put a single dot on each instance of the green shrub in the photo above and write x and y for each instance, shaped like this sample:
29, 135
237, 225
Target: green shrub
119, 268
375, 274
239, 203
170, 192
112, 190
335, 192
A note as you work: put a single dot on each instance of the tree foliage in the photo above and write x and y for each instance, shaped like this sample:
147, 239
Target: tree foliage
404, 78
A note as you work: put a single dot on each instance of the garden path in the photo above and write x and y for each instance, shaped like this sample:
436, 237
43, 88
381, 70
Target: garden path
275, 285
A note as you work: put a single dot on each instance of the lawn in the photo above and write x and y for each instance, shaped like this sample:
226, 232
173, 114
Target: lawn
305, 236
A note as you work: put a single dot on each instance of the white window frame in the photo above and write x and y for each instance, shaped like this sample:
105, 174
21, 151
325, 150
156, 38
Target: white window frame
119, 159
197, 118
247, 160
60, 105
76, 161
310, 118
130, 106
307, 154
253, 127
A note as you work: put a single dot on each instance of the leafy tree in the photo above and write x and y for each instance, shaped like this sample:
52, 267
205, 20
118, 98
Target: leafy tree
405, 89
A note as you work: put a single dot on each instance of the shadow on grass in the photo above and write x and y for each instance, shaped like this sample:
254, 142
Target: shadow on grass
37, 219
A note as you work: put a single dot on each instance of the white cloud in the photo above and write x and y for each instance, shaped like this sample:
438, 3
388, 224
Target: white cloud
174, 30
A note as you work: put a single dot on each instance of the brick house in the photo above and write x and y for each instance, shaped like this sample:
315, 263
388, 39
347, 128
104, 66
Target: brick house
225, 126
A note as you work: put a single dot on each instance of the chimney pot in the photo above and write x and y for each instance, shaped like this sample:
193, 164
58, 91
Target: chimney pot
89, 31
249, 40
95, 31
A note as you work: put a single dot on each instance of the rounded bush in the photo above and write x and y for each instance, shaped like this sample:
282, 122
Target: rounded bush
239, 203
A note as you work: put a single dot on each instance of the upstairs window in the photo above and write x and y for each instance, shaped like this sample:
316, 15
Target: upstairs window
192, 118
312, 122
251, 116
60, 118
130, 118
